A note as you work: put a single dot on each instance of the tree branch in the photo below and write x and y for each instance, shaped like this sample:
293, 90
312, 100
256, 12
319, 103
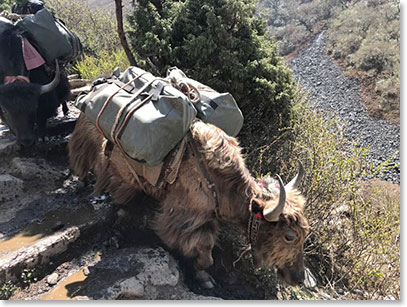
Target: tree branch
122, 34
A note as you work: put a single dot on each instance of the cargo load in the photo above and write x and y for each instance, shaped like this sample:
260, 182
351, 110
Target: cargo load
219, 109
147, 116
50, 36
142, 114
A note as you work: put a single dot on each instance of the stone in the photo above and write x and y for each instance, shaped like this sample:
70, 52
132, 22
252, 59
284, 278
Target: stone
7, 147
128, 273
37, 169
38, 253
130, 288
53, 279
10, 187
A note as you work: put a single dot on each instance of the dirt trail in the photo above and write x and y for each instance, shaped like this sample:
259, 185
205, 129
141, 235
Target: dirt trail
335, 93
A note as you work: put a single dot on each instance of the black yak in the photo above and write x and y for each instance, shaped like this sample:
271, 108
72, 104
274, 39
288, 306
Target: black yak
27, 98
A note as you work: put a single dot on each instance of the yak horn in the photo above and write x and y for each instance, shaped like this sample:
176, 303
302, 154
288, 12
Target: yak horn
273, 214
295, 182
46, 88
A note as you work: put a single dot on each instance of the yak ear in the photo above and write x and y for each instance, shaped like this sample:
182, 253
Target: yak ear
257, 206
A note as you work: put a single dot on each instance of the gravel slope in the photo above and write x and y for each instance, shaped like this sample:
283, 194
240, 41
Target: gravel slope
337, 94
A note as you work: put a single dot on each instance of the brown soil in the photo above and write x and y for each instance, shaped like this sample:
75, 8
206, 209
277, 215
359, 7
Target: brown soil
371, 101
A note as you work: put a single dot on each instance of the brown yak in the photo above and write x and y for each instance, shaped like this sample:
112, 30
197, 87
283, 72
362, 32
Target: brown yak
213, 185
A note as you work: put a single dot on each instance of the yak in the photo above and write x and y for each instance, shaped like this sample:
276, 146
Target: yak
213, 186
27, 98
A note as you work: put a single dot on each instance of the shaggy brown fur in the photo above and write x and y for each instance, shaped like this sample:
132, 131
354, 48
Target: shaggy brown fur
188, 219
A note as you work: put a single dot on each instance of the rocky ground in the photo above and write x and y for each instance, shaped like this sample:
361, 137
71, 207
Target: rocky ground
337, 94
60, 242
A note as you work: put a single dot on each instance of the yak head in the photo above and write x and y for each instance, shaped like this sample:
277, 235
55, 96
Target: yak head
283, 228
19, 105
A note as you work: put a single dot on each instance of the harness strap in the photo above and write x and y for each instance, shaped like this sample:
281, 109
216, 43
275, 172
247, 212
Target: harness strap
204, 171
252, 232
133, 171
109, 99
253, 228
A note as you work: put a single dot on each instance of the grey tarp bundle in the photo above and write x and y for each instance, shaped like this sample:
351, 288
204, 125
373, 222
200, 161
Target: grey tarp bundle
50, 36
146, 118
219, 109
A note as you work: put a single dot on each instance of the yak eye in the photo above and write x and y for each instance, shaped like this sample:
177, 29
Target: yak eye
290, 237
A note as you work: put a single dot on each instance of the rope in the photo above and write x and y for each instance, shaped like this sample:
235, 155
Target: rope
109, 99
247, 249
187, 89
11, 16
252, 231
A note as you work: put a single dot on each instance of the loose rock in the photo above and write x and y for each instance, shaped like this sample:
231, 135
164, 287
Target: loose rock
10, 187
53, 279
335, 93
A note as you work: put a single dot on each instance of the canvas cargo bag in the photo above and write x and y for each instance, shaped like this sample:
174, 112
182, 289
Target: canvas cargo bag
50, 36
219, 109
144, 115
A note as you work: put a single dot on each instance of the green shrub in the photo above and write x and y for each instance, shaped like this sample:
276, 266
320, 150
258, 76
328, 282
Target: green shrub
27, 277
103, 64
4, 5
295, 22
366, 39
7, 290
222, 44
375, 56
96, 28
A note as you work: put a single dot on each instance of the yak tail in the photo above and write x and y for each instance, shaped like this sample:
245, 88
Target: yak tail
85, 150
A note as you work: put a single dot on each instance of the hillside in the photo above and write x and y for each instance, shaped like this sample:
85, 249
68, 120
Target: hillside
106, 4
103, 4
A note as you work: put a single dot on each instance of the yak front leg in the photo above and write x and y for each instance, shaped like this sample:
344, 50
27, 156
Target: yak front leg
203, 254
203, 261
193, 234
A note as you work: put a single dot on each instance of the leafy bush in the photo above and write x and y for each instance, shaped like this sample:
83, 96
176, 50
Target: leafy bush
222, 44
366, 39
96, 28
4, 5
295, 22
7, 290
27, 277
355, 223
103, 64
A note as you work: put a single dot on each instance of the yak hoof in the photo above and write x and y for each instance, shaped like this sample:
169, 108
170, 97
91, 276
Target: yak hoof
207, 285
206, 281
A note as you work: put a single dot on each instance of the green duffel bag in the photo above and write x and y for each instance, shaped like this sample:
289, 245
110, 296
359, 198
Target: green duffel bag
50, 36
144, 115
219, 109
74, 41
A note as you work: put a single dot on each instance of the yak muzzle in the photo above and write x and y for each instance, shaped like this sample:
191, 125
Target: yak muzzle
291, 276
